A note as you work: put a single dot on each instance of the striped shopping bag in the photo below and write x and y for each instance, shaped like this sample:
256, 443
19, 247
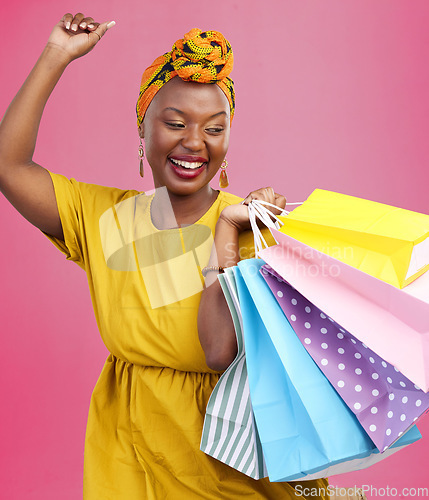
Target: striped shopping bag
229, 432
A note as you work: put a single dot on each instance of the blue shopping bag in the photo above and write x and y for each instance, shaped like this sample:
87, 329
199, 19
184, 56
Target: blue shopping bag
303, 424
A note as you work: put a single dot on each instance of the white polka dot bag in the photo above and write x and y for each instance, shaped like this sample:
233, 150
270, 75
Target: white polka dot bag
384, 401
305, 427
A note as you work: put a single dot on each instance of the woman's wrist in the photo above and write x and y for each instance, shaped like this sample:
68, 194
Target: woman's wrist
226, 243
225, 252
56, 56
236, 216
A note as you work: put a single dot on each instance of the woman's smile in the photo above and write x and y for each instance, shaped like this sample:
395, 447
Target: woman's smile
186, 166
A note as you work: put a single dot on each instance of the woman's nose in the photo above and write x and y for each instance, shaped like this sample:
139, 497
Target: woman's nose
193, 139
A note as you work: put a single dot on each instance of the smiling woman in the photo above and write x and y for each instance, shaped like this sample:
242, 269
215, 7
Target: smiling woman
151, 262
186, 131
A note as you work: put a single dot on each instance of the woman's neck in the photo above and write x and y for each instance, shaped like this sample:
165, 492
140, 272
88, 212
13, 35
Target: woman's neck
187, 209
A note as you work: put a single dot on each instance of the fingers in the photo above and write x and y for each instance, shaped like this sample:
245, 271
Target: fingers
73, 23
76, 21
79, 23
280, 201
87, 22
67, 20
101, 29
264, 194
267, 194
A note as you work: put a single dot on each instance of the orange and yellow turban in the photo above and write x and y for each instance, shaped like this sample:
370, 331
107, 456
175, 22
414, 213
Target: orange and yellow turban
201, 56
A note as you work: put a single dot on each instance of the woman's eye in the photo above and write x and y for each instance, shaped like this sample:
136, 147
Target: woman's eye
175, 125
215, 130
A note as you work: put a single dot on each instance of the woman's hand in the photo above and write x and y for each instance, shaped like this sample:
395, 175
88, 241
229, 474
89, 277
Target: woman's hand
238, 215
77, 35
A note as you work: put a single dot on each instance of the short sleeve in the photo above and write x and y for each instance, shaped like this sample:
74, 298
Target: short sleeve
80, 206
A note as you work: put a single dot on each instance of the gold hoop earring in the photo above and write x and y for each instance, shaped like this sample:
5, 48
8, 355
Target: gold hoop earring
223, 178
141, 156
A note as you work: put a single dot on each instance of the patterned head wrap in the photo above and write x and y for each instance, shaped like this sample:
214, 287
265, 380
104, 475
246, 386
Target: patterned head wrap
204, 57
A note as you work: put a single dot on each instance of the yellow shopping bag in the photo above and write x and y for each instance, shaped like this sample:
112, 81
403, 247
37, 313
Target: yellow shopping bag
389, 243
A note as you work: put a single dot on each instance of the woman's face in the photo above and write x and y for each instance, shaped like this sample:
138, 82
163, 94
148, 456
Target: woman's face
186, 130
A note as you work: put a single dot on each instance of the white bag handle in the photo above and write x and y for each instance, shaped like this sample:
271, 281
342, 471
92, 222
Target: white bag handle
257, 209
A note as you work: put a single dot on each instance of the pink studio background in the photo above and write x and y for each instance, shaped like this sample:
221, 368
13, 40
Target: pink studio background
330, 94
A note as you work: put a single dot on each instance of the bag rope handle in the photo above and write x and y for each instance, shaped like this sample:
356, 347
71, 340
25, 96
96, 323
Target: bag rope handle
258, 209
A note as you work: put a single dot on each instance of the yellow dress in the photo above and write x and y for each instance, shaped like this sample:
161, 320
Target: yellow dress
147, 409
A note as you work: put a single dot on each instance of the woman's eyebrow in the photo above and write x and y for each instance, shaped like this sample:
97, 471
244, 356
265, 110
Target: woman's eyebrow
220, 113
174, 109
170, 108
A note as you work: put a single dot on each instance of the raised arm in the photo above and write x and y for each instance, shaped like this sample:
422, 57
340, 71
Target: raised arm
215, 326
26, 184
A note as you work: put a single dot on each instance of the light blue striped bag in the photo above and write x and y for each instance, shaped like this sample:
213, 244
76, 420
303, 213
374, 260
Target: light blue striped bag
229, 432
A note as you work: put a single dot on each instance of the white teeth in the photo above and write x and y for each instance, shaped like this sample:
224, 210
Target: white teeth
187, 164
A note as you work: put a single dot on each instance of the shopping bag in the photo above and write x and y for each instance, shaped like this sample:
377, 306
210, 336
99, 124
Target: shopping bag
229, 431
304, 426
389, 243
230, 434
399, 321
384, 401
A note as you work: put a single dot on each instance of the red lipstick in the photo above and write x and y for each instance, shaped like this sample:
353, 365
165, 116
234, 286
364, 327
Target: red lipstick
187, 173
189, 158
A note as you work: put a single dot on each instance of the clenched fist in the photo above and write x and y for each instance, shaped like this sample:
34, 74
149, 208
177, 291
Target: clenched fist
77, 35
